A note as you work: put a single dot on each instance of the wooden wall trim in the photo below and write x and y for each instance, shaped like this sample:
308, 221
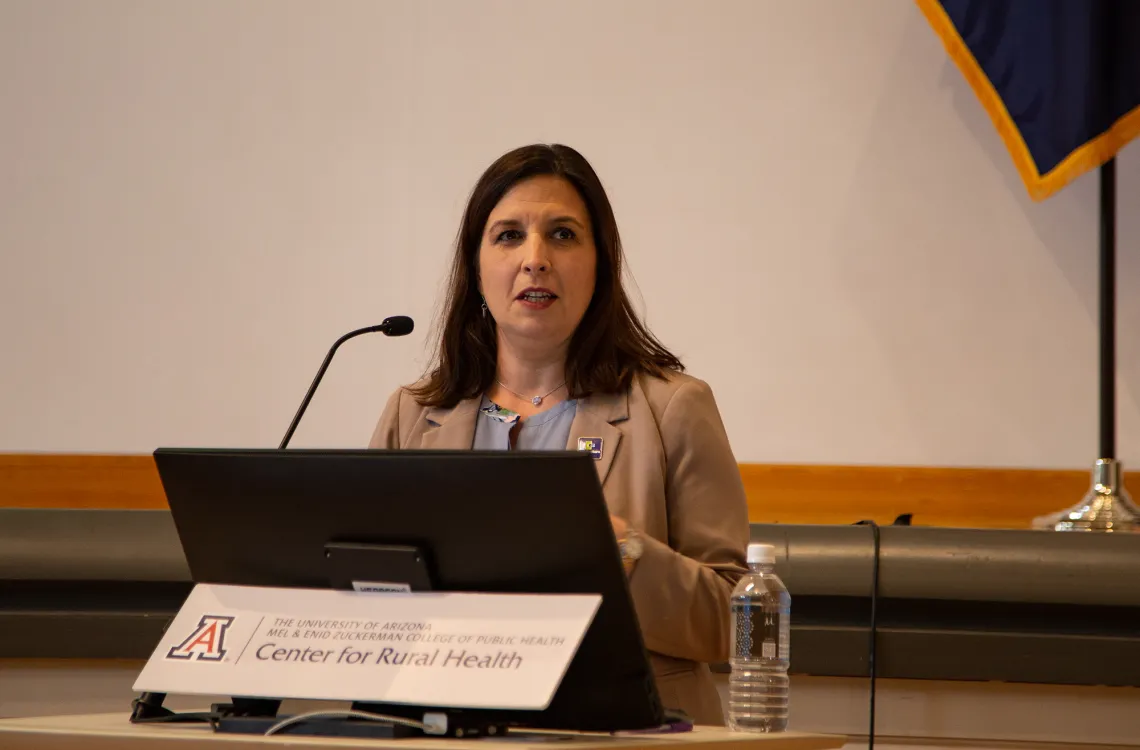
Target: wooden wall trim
50, 480
777, 493
936, 496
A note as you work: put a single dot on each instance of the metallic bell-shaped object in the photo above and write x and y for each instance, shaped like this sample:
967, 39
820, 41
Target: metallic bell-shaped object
1107, 506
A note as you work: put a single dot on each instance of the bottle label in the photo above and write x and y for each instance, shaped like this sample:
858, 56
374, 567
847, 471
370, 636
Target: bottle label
759, 633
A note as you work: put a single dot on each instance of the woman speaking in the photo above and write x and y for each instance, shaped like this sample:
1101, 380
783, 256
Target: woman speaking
541, 350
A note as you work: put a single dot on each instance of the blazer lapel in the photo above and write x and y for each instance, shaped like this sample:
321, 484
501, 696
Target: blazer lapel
451, 429
594, 421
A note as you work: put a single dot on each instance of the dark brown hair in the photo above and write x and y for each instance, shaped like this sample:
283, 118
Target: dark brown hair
610, 343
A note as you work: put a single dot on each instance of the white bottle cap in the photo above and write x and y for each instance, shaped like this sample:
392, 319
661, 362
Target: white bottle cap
764, 554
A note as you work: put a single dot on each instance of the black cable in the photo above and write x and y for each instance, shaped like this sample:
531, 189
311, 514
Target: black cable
874, 627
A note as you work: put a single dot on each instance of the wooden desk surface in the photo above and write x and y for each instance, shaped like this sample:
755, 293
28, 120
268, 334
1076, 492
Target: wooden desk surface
114, 731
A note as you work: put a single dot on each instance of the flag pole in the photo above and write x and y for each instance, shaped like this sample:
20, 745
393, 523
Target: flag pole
1107, 310
1107, 505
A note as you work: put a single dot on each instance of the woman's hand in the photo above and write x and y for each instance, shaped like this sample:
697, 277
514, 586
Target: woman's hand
620, 526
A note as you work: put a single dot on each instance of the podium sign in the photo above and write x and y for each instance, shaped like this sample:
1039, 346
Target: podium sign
460, 650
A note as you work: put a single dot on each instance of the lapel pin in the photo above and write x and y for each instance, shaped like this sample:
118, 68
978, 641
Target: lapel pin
591, 444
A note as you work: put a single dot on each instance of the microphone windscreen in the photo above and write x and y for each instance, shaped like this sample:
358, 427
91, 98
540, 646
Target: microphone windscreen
398, 325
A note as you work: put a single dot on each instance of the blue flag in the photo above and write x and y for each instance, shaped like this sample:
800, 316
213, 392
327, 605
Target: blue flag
1059, 78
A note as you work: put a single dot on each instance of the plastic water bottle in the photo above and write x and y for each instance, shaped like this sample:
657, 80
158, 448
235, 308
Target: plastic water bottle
761, 615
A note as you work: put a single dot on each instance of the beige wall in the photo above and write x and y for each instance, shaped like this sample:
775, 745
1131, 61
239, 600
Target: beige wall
198, 197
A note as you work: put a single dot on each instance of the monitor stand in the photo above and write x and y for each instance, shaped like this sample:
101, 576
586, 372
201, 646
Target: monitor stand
350, 566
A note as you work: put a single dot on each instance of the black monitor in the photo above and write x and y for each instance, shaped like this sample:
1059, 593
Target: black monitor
474, 521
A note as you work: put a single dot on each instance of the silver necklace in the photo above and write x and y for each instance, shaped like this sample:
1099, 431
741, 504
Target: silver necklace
536, 400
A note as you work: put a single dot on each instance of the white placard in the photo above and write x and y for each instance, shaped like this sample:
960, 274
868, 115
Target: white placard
440, 649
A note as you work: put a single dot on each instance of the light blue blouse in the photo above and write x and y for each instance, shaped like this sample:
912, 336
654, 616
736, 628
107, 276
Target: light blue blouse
546, 431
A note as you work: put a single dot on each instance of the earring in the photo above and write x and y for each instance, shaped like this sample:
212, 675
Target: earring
484, 309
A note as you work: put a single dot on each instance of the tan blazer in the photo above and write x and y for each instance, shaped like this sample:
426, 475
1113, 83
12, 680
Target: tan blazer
666, 468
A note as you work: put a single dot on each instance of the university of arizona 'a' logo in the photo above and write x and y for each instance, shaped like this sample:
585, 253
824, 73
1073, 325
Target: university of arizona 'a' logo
207, 642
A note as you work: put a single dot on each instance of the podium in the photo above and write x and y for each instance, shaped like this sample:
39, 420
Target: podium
115, 732
418, 523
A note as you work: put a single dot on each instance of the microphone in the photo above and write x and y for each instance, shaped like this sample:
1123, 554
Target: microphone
397, 325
